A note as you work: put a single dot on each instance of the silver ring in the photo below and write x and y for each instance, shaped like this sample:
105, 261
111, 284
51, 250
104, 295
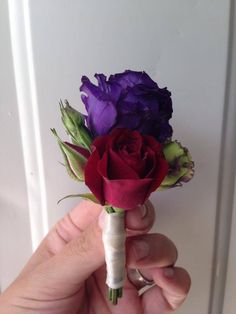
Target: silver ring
137, 279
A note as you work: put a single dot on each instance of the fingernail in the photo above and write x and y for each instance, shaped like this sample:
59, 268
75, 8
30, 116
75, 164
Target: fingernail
141, 249
143, 210
168, 272
101, 219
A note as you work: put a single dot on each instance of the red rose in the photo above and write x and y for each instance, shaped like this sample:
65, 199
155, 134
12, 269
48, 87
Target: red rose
124, 168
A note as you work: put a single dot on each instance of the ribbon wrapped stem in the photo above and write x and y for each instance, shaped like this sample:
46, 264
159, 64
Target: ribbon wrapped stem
114, 245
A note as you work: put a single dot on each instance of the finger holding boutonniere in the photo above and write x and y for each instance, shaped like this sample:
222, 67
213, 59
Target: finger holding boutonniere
138, 220
151, 262
148, 251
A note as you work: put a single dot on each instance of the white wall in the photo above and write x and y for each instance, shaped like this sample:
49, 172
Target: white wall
229, 300
15, 242
182, 45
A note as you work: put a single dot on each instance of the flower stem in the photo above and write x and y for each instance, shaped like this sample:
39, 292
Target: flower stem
114, 294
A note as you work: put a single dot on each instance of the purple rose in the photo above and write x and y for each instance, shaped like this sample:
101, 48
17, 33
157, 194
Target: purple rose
127, 100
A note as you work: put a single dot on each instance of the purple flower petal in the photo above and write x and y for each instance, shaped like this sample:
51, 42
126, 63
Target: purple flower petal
104, 110
111, 89
98, 106
129, 100
130, 78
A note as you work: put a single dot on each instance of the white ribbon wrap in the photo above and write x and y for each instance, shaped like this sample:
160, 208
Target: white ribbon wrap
114, 245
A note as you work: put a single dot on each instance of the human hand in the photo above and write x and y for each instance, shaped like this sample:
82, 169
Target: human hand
67, 274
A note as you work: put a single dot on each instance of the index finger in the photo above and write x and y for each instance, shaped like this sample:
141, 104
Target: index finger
138, 220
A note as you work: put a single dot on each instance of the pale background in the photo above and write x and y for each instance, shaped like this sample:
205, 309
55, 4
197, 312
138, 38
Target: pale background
46, 46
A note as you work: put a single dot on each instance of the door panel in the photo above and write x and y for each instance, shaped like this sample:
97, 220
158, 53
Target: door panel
15, 237
182, 46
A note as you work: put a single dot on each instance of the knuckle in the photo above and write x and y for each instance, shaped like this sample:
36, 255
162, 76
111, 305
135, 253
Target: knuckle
173, 252
150, 215
83, 245
86, 242
166, 250
188, 283
184, 281
140, 220
150, 208
61, 230
182, 287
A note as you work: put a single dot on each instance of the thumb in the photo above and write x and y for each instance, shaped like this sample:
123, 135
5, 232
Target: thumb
172, 287
64, 273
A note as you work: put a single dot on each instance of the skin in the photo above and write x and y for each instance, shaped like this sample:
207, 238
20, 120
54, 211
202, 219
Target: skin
67, 275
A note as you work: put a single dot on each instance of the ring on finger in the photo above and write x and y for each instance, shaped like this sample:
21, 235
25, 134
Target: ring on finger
137, 279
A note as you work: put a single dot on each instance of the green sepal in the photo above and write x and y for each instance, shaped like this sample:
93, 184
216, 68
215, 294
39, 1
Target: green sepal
112, 209
90, 197
74, 161
87, 196
118, 210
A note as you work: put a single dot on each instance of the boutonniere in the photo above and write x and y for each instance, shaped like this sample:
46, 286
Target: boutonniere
123, 150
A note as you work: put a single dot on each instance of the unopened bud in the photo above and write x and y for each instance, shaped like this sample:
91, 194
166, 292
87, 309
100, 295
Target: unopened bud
74, 123
181, 165
75, 158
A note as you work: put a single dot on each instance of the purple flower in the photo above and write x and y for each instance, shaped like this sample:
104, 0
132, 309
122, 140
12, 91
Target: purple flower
127, 100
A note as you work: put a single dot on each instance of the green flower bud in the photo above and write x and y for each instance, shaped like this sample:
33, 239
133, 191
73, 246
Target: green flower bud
75, 158
180, 165
75, 125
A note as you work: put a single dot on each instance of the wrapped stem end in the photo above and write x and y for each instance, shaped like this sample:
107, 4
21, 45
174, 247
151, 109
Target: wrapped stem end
114, 246
114, 294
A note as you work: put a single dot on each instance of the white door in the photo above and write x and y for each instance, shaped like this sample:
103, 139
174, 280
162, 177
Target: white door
47, 46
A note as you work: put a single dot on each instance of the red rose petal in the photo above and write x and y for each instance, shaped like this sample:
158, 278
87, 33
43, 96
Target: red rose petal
161, 171
117, 132
118, 169
101, 143
102, 165
151, 162
84, 152
92, 178
134, 159
152, 142
113, 171
127, 194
